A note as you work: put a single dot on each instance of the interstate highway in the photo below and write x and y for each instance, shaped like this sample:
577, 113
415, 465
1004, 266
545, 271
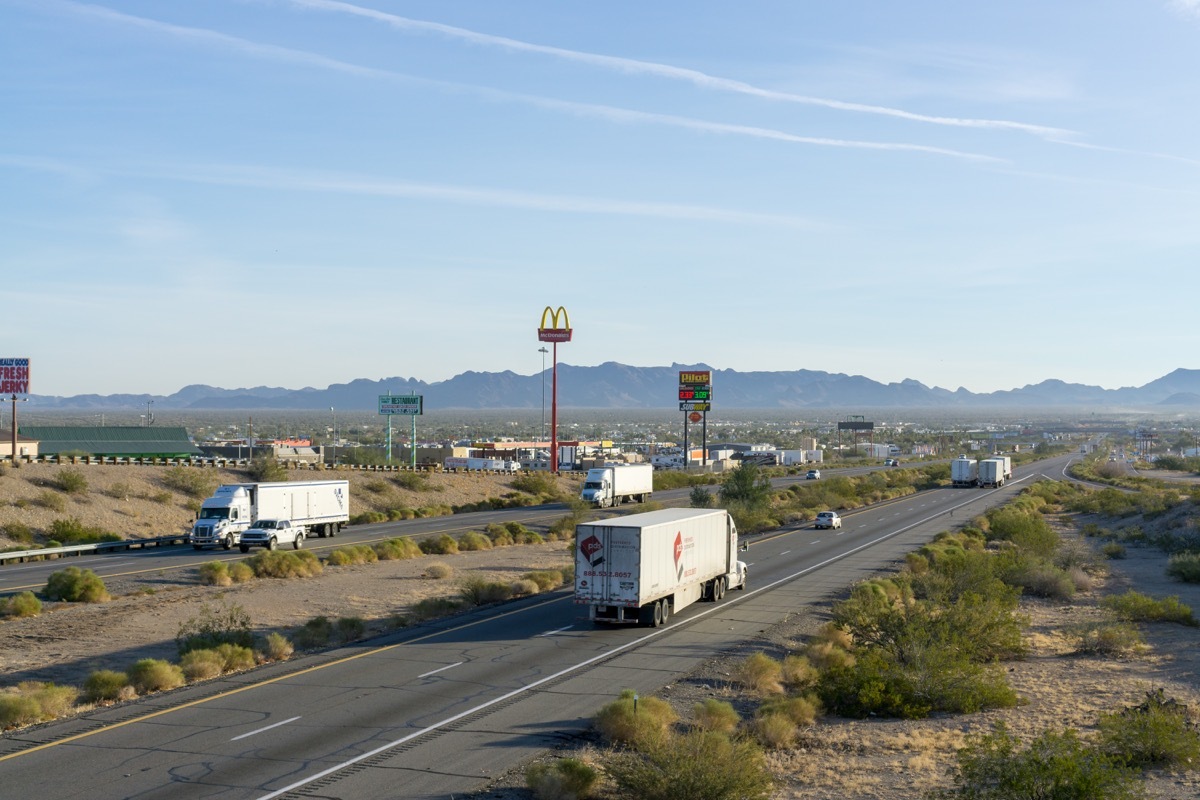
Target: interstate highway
433, 712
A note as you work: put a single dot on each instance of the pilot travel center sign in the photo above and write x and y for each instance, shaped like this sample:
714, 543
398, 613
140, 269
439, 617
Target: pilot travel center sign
14, 376
559, 329
695, 390
413, 404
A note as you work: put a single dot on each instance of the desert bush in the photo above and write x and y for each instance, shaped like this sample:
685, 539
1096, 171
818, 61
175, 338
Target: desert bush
698, 766
715, 715
286, 564
562, 779
477, 591
18, 531
434, 607
438, 570
546, 579
71, 481
539, 484
201, 665
523, 587
348, 629
314, 633
775, 731
267, 469
397, 549
563, 528
800, 710
72, 531
1041, 580
994, 766
1134, 606
376, 486
1114, 550
215, 573
75, 585
161, 498
633, 720
528, 537
18, 710
441, 545
500, 535
106, 685
797, 672
700, 497
197, 483
227, 623
413, 481
368, 518
24, 604
51, 500
240, 572
1105, 638
33, 701
1155, 734
474, 540
760, 673
352, 554
276, 647
1184, 567
235, 657
155, 675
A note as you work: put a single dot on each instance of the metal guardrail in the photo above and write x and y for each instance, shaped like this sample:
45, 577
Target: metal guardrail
50, 553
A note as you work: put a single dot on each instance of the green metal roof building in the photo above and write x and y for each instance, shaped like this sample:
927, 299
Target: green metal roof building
122, 442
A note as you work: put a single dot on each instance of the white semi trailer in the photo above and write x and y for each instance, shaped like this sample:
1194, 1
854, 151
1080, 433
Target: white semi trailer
645, 567
617, 483
322, 507
964, 471
991, 473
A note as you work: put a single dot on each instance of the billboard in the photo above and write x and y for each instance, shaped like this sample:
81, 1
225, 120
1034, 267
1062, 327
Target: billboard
411, 404
14, 376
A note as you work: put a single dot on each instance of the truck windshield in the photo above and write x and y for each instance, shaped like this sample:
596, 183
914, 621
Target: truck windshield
594, 485
214, 513
265, 523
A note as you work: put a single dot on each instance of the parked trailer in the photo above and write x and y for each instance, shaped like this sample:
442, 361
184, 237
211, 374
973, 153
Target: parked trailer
645, 567
489, 464
991, 473
964, 471
322, 507
616, 483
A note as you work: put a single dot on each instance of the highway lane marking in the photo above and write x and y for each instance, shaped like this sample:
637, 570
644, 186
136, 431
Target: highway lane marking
559, 630
814, 541
260, 730
442, 669
785, 552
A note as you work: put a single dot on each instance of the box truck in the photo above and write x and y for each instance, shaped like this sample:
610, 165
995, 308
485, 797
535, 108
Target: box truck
322, 507
490, 464
964, 471
617, 483
1006, 464
991, 473
645, 567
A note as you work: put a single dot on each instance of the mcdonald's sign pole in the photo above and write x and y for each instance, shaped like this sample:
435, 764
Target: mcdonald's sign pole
558, 330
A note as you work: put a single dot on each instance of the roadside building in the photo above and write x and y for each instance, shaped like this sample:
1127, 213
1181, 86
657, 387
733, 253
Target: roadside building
111, 441
26, 446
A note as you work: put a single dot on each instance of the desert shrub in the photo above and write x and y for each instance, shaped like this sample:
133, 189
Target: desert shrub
1042, 580
539, 484
161, 498
698, 766
1156, 733
285, 564
155, 675
24, 604
215, 573
240, 572
201, 665
193, 482
477, 591
500, 535
106, 685
1134, 606
800, 710
700, 497
215, 626
75, 585
797, 672
562, 779
442, 545
528, 537
1114, 550
267, 469
1024, 528
235, 657
348, 629
18, 710
994, 766
1105, 638
434, 607
523, 587
276, 647
51, 500
32, 701
563, 527
397, 549
546, 579
635, 721
760, 673
413, 481
474, 540
350, 555
368, 518
395, 514
438, 570
715, 715
376, 486
71, 481
775, 731
18, 531
1184, 567
314, 633
72, 531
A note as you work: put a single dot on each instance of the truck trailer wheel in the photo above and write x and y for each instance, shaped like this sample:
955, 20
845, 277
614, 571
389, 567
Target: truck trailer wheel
227, 543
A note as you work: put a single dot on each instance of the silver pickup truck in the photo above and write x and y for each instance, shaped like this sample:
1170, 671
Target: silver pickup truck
271, 533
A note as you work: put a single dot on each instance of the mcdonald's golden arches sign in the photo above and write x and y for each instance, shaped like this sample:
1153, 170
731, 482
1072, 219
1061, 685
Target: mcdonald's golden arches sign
559, 327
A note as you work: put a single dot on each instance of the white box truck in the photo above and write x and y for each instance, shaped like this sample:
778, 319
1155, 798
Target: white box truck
322, 507
614, 484
489, 464
645, 567
964, 471
1006, 462
991, 473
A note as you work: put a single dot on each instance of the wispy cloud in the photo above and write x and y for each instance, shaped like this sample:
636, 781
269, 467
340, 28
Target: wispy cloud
695, 77
611, 113
1189, 7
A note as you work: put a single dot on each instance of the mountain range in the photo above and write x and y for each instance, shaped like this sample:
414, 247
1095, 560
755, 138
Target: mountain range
620, 386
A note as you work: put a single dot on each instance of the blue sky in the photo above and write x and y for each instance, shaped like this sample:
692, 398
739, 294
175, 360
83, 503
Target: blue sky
304, 192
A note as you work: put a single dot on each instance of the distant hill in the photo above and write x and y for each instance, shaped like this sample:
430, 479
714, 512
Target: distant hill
613, 385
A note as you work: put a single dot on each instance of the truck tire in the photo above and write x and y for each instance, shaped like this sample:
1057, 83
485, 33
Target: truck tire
298, 542
271, 543
666, 610
245, 548
227, 542
718, 588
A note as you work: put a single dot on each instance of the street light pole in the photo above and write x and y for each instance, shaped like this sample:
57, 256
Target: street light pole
334, 413
543, 351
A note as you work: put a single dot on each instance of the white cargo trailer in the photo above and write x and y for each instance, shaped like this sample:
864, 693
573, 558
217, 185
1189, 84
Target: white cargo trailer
991, 473
964, 471
322, 507
1006, 463
488, 464
616, 483
645, 567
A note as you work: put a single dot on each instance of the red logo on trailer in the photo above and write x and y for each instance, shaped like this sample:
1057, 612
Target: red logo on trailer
593, 550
